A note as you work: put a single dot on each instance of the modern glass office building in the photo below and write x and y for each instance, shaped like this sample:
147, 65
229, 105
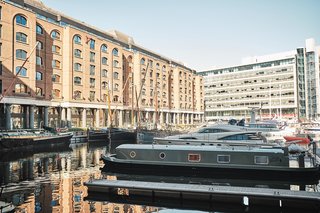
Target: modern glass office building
282, 85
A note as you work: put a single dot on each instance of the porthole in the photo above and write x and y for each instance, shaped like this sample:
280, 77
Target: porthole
162, 155
133, 154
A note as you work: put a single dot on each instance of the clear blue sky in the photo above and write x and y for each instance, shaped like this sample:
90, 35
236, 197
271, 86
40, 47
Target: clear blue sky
203, 33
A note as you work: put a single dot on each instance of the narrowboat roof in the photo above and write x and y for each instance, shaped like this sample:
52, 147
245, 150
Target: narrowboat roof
200, 148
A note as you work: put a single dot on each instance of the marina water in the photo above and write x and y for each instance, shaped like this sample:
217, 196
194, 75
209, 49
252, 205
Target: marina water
53, 182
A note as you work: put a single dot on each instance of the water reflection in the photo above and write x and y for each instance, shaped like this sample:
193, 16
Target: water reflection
52, 181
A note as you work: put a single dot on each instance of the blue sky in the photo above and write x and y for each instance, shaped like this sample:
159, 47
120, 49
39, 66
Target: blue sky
203, 34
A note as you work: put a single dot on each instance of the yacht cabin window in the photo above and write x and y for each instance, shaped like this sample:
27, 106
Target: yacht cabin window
194, 157
223, 158
261, 160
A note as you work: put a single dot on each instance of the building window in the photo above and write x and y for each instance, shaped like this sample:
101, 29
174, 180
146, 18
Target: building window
21, 37
223, 158
39, 91
0, 49
115, 63
115, 52
104, 85
0, 12
21, 20
39, 60
39, 45
77, 94
77, 67
261, 160
20, 88
104, 48
115, 98
56, 93
56, 64
92, 44
0, 67
77, 53
56, 49
92, 70
21, 54
0, 86
0, 30
104, 61
116, 75
56, 78
194, 157
92, 57
116, 87
92, 82
142, 61
39, 30
39, 76
77, 39
92, 96
21, 71
77, 80
104, 73
55, 35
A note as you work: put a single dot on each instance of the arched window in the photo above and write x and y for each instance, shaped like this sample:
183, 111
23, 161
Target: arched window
21, 54
92, 44
77, 39
104, 73
77, 67
77, 53
56, 64
104, 85
56, 78
104, 48
115, 98
39, 76
39, 30
77, 94
56, 93
157, 65
142, 61
116, 75
39, 60
55, 35
21, 37
115, 63
116, 87
39, 45
23, 71
77, 80
104, 60
164, 68
39, 91
115, 52
20, 88
56, 49
21, 20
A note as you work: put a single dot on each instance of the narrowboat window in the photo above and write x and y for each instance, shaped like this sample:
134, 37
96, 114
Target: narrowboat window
223, 158
261, 160
194, 157
162, 155
133, 154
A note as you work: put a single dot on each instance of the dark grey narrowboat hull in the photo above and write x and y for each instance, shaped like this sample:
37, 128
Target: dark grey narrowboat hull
112, 164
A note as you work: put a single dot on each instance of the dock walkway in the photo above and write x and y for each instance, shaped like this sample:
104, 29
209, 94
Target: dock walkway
244, 195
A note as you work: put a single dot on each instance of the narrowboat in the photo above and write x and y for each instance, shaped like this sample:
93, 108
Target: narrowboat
31, 140
268, 163
116, 134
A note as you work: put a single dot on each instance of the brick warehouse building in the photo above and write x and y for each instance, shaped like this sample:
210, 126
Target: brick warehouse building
78, 75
